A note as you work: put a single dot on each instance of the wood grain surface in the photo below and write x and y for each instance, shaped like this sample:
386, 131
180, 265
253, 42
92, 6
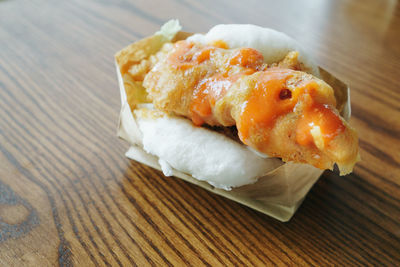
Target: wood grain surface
68, 196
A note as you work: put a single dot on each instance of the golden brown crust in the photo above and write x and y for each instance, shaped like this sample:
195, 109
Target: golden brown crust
135, 61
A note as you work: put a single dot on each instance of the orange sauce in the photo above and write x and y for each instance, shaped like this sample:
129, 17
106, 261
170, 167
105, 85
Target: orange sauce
269, 99
318, 115
209, 91
184, 57
220, 44
264, 104
181, 58
248, 58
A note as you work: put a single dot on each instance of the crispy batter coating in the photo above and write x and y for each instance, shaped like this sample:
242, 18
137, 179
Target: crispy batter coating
278, 110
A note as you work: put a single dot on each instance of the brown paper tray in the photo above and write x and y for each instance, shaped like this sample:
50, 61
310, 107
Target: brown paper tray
278, 193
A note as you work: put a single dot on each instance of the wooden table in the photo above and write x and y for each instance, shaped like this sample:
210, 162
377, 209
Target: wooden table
68, 195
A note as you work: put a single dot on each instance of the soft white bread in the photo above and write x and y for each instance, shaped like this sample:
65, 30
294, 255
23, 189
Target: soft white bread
205, 154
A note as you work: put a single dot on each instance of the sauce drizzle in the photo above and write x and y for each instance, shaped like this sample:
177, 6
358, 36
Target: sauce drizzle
269, 99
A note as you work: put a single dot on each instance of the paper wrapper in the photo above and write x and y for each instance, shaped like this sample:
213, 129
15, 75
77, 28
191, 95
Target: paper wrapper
278, 193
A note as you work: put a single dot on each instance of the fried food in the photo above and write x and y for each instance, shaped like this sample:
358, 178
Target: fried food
278, 109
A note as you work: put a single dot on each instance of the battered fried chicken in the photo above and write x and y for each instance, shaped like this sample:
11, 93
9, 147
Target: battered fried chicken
279, 110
